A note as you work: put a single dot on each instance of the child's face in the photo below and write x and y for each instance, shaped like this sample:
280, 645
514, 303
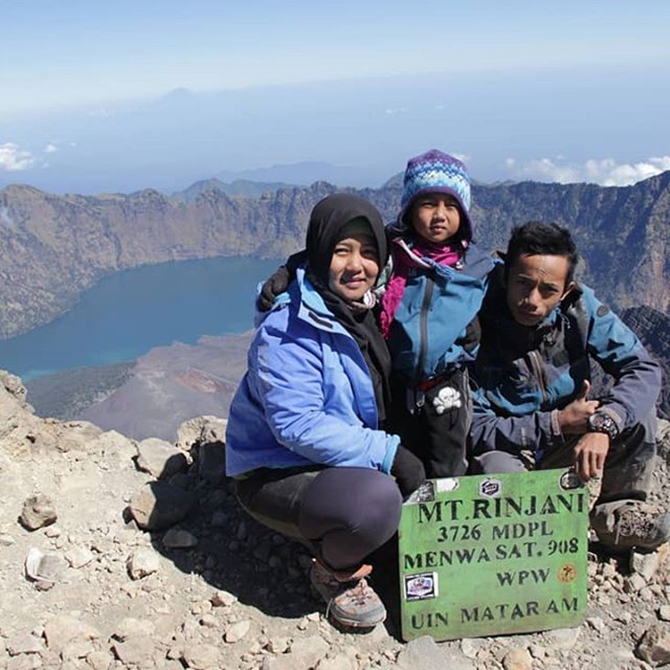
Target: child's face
436, 217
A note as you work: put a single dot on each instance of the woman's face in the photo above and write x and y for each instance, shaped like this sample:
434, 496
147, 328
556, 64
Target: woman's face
354, 267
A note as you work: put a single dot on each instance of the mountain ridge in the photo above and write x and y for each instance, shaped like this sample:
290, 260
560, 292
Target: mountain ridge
239, 188
54, 247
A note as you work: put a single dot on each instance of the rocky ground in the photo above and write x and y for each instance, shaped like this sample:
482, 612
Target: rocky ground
116, 553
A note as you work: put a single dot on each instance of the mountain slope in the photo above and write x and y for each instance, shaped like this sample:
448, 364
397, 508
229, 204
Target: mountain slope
54, 247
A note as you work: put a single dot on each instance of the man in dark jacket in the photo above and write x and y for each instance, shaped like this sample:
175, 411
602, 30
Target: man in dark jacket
540, 332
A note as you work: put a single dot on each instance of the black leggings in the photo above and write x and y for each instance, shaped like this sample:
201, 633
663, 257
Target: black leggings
342, 514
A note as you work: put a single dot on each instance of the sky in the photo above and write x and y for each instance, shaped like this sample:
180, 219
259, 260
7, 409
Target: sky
126, 95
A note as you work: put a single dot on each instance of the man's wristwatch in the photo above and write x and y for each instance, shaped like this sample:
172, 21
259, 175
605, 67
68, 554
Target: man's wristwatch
600, 422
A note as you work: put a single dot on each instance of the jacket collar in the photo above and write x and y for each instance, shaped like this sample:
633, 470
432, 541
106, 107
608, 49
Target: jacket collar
312, 308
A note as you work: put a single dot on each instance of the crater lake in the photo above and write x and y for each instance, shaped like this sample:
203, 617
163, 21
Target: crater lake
126, 314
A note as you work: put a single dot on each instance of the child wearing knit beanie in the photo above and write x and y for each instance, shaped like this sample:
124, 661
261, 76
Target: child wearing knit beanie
428, 311
430, 295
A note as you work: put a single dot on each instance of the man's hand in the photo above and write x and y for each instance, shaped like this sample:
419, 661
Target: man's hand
573, 419
590, 454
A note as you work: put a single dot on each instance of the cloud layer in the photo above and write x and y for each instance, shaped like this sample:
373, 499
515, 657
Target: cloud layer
605, 172
559, 169
13, 159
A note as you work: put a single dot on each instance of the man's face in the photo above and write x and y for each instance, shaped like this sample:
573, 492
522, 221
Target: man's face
535, 285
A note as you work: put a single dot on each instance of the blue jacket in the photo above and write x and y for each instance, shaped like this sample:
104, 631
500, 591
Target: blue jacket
523, 376
307, 396
439, 302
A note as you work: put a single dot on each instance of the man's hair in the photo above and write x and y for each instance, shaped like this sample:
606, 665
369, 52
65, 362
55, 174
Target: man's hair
536, 238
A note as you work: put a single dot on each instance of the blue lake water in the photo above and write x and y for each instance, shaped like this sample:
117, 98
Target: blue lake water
128, 313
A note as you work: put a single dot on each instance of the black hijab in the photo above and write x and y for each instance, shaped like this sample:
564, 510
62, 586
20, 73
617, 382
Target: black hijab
326, 225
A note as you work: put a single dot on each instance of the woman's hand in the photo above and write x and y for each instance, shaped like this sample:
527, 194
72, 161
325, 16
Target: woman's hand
408, 471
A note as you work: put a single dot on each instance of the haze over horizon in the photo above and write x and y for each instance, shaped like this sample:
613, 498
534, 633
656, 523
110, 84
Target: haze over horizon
104, 98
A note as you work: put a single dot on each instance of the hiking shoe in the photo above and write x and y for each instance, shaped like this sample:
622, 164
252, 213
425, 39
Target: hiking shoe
631, 524
349, 598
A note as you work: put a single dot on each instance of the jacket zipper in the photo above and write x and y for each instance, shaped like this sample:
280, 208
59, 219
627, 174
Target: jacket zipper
538, 370
423, 328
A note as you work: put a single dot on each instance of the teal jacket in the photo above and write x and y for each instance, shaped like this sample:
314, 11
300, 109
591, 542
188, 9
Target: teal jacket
429, 329
524, 375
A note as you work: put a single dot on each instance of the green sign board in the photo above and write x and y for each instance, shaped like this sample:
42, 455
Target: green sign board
494, 554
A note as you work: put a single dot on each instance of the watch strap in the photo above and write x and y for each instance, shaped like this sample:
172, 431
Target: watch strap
602, 422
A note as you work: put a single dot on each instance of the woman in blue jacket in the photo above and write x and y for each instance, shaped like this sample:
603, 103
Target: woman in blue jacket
430, 295
305, 442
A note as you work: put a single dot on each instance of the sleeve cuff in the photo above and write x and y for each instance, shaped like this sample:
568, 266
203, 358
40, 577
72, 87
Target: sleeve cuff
391, 449
556, 432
